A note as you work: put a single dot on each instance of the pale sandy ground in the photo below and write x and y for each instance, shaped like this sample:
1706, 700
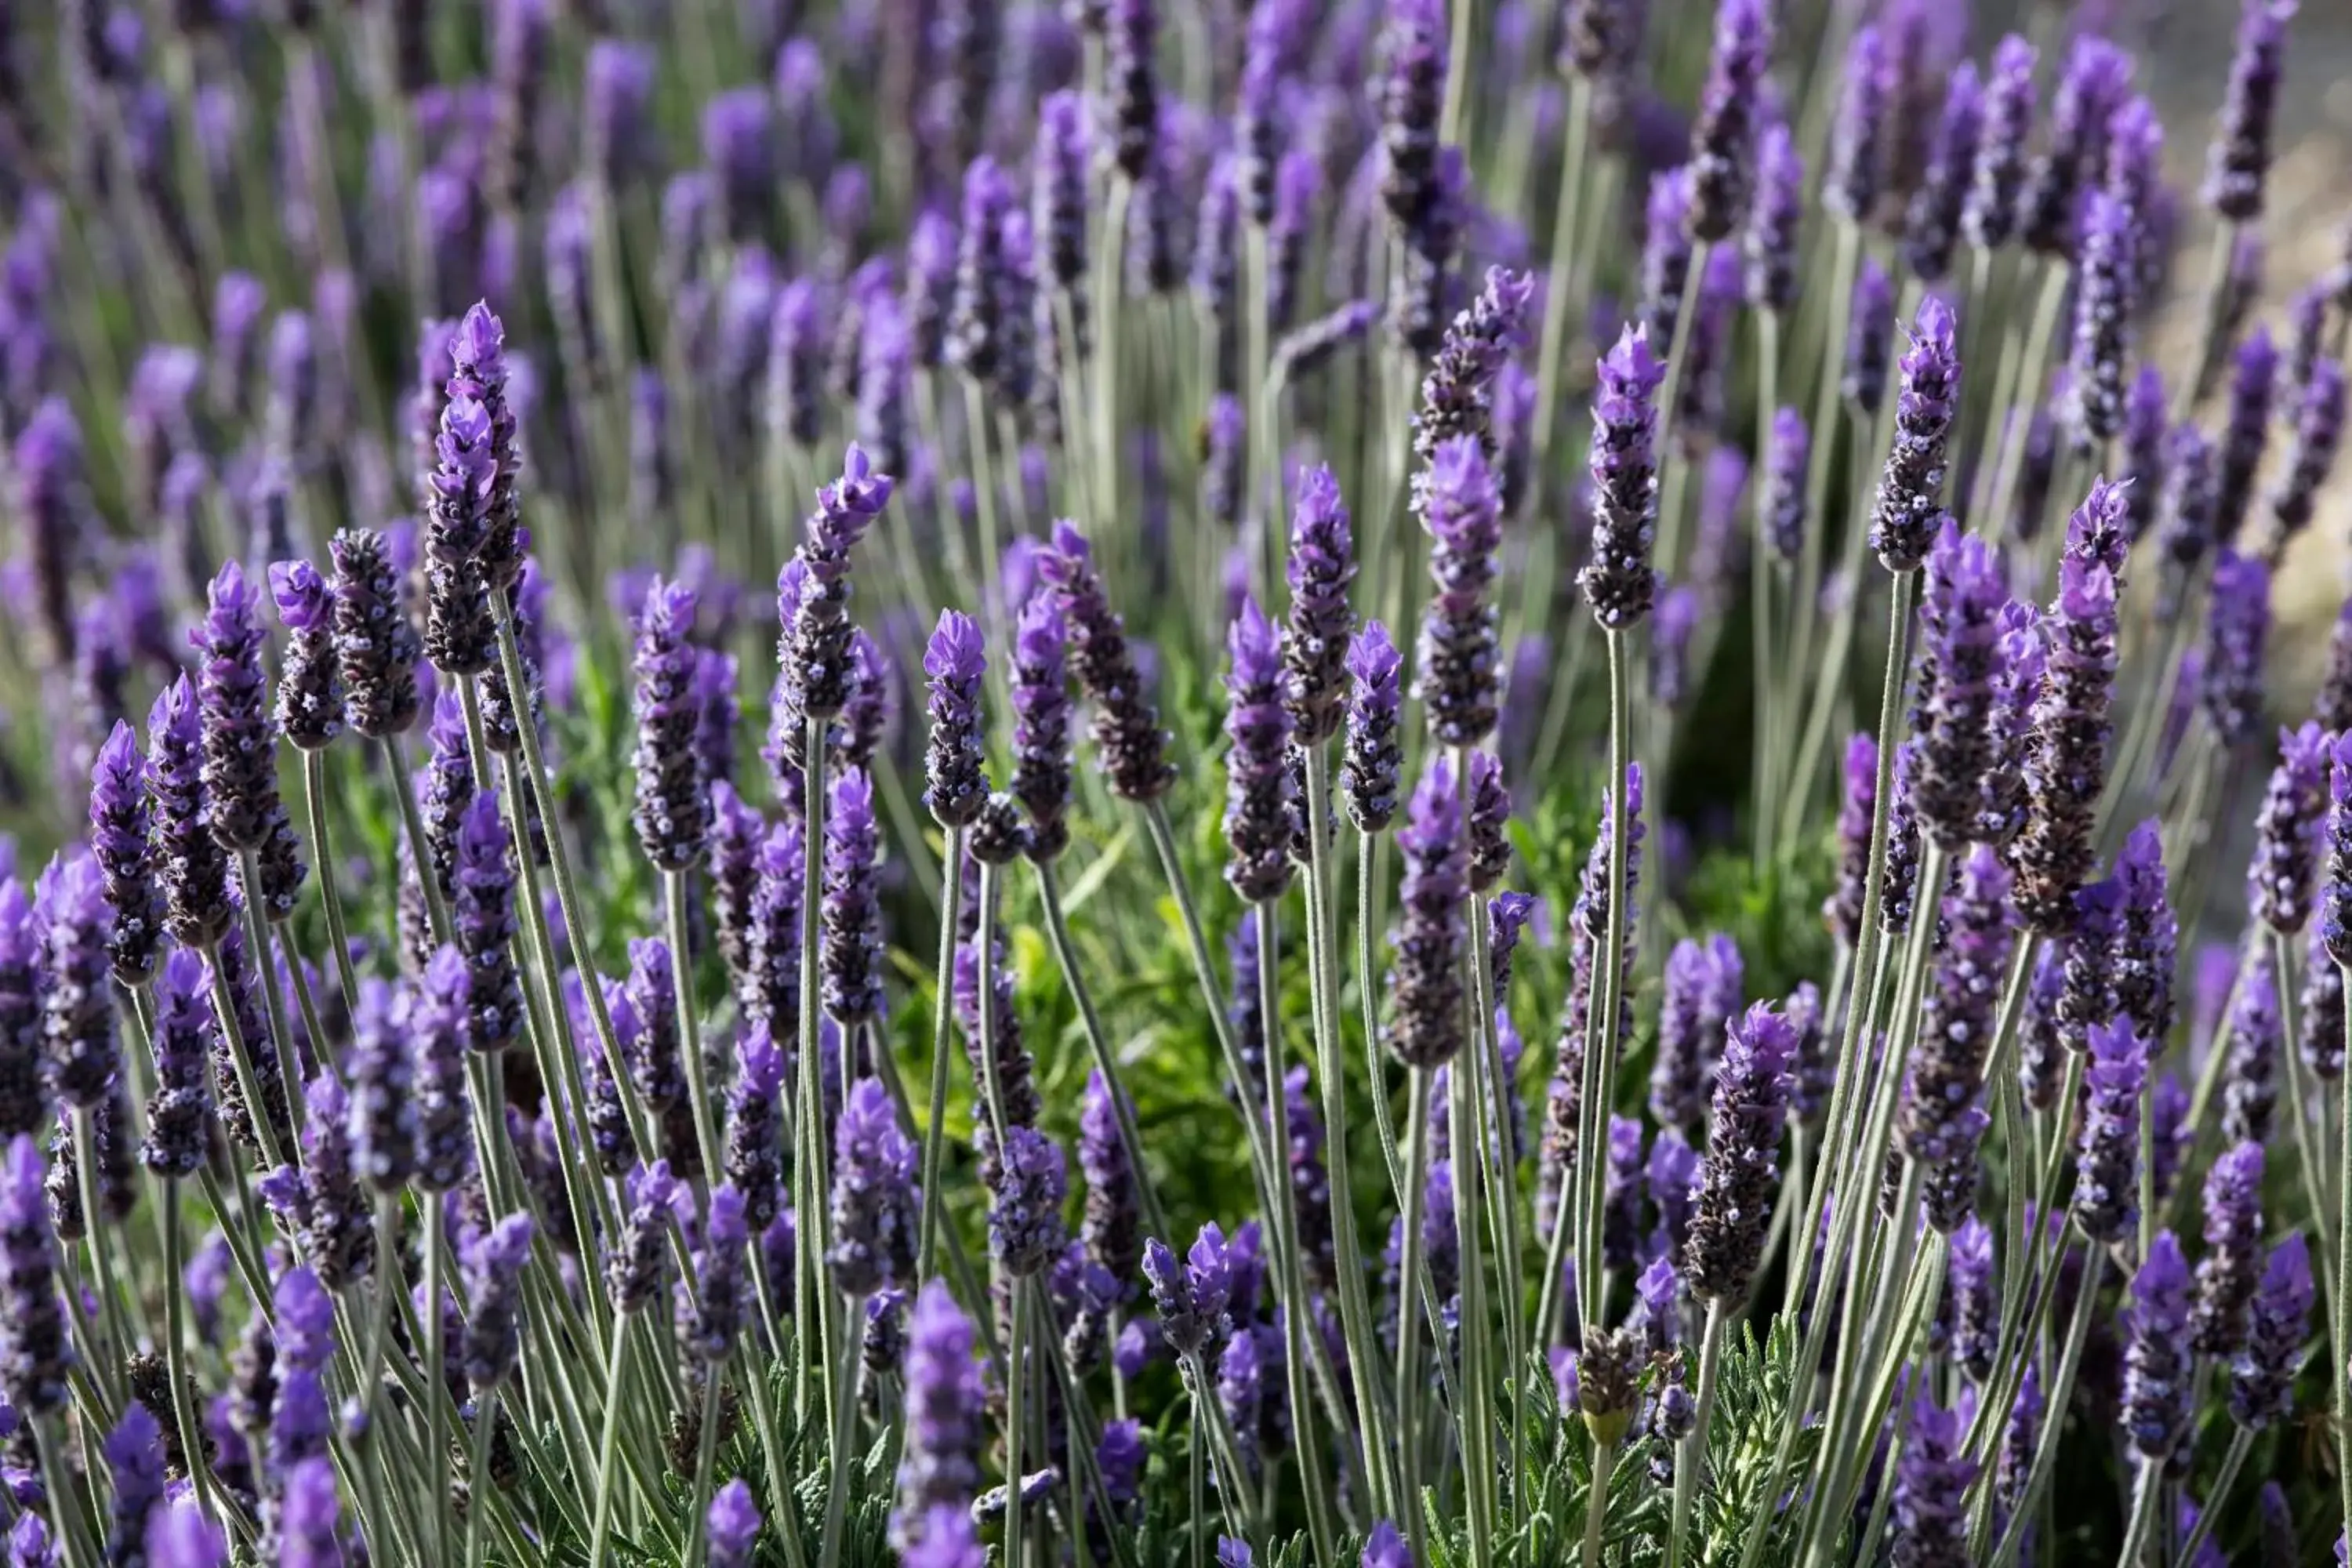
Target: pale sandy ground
2310, 197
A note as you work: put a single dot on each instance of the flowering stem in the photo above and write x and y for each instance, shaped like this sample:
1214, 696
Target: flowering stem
478, 1497
1670, 515
2062, 1388
689, 1024
1596, 1501
241, 1059
2242, 1441
175, 1346
265, 974
1330, 1070
942, 1018
420, 851
436, 1350
1692, 1458
2342, 1334
2028, 387
1108, 297
1283, 1215
809, 1181
1823, 451
1057, 933
116, 1337
845, 1417
1601, 1041
608, 1479
1765, 774
314, 805
2146, 1490
1371, 857
1576, 136
705, 1458
73, 1530
1408, 1331
2313, 1173
1200, 1514
1015, 1375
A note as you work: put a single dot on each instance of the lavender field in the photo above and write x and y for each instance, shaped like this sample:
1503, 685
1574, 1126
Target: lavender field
1415, 784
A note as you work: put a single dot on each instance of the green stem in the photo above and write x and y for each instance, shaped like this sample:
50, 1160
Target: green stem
1014, 1379
689, 1024
809, 1177
1692, 1458
2242, 1441
175, 1345
2055, 1403
314, 790
942, 1024
1057, 935
1596, 1501
478, 1488
1559, 288
2147, 1488
608, 1479
265, 975
436, 1351
1408, 1322
706, 1458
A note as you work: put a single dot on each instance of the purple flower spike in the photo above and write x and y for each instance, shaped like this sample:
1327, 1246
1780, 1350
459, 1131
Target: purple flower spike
1126, 722
946, 1413
1620, 583
1734, 1202
2065, 767
1936, 1127
1989, 215
1258, 801
2157, 1389
240, 781
2106, 292
435, 1012
673, 807
2106, 1190
1426, 1027
1369, 771
1316, 636
1785, 460
731, 1528
2226, 1277
77, 1023
1769, 245
2237, 640
2279, 878
1931, 1486
2318, 433
1849, 187
309, 689
2238, 161
2096, 76
852, 912
1459, 676
375, 644
1024, 1216
1041, 726
1410, 90
1843, 910
1966, 592
179, 1113
2253, 389
2336, 903
493, 1261
1131, 42
1932, 224
2261, 1377
814, 647
1723, 135
119, 835
35, 1354
876, 1202
1909, 498
955, 662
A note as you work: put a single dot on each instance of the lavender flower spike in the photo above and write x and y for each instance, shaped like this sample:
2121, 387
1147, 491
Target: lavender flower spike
2336, 902
852, 913
1258, 799
2106, 1184
673, 807
1369, 774
1931, 226
1620, 583
240, 781
1857, 815
957, 770
1910, 493
874, 1200
374, 642
1966, 592
1427, 1021
120, 842
2318, 433
1774, 217
2066, 766
731, 1527
2156, 1390
1040, 725
1988, 216
1314, 638
1126, 730
79, 1047
2279, 877
1936, 1129
309, 685
1025, 1214
814, 649
2261, 1377
2237, 640
1723, 136
1459, 678
1932, 1479
1752, 1107
2237, 163
2226, 1276
946, 1414
35, 1353
1190, 1295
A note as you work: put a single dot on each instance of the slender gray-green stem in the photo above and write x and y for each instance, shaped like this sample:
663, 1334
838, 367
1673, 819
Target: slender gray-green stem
1764, 749
1065, 955
942, 1026
2148, 1491
1822, 453
1596, 1501
845, 1422
706, 1456
436, 1352
689, 1022
175, 1344
2193, 389
1670, 516
1408, 1331
65, 1508
1015, 1378
608, 1446
1692, 1458
2342, 1327
1197, 1533
478, 1474
265, 974
1475, 1374
2309, 1168
2027, 390
1284, 1218
241, 1059
314, 791
2055, 1402
1368, 1437
809, 1177
1371, 857
1109, 296
116, 1332
1558, 292
2242, 1442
